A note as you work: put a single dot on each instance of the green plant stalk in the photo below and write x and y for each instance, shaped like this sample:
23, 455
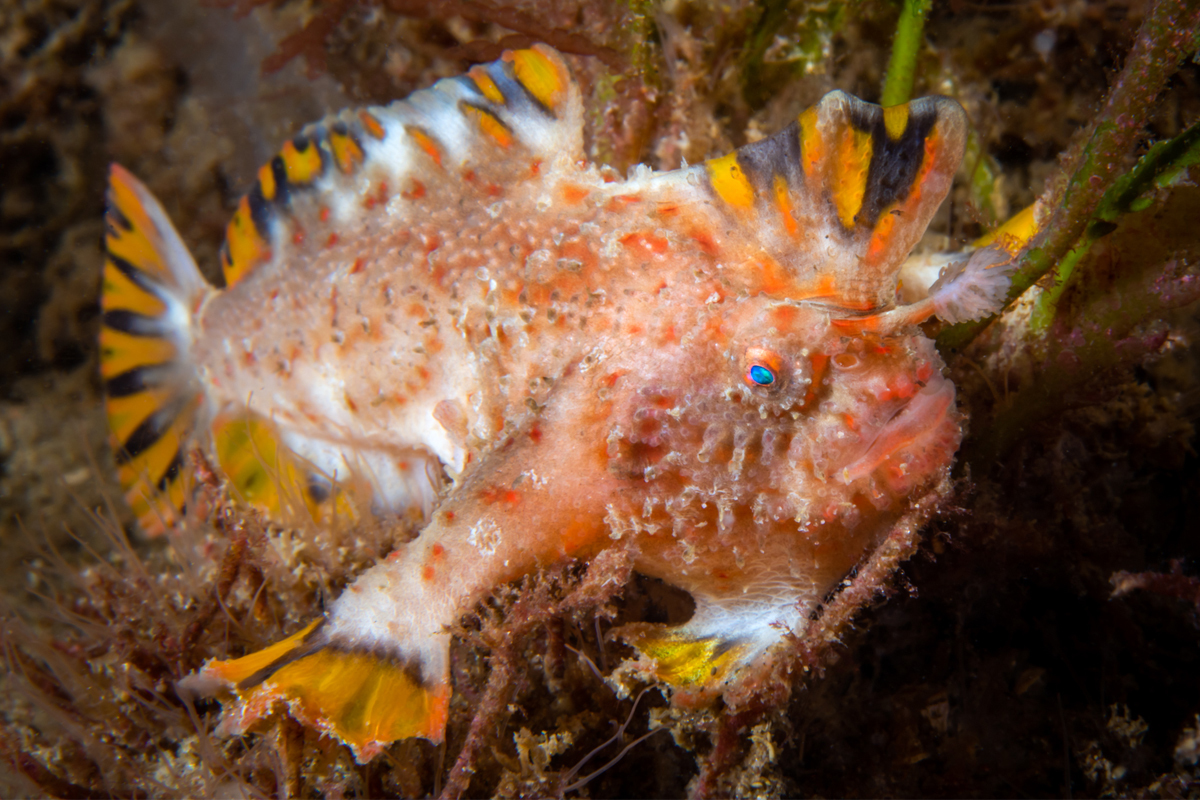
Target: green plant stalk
902, 66
1144, 271
1168, 35
1156, 169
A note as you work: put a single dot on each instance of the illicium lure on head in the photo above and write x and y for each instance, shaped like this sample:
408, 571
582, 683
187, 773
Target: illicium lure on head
441, 305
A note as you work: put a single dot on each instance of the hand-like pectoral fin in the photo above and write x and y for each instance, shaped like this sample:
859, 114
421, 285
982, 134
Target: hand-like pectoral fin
709, 650
364, 698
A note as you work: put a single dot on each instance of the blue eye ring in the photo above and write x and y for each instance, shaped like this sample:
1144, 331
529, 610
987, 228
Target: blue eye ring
760, 375
764, 369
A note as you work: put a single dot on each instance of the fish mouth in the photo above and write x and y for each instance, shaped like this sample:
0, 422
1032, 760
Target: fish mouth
920, 438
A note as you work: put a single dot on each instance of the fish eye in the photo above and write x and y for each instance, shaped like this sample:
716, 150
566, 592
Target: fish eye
762, 369
760, 375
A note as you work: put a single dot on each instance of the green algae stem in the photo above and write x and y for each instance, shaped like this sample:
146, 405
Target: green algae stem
1169, 34
1158, 168
902, 67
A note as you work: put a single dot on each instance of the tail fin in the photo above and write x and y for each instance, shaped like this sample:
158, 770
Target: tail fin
152, 289
361, 696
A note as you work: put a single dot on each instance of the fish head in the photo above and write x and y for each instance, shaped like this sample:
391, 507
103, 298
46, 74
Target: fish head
771, 414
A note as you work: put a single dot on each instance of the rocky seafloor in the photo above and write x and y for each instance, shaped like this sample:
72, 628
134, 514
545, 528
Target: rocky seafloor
1044, 640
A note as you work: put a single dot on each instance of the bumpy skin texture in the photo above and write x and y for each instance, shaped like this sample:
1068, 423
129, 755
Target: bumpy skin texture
701, 366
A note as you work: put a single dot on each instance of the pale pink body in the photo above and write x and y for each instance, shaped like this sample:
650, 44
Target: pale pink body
704, 367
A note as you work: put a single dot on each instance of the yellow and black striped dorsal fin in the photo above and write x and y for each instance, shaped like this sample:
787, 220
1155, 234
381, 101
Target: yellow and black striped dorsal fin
151, 291
842, 195
523, 110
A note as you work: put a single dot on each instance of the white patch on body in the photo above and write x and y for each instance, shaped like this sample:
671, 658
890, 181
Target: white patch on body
485, 537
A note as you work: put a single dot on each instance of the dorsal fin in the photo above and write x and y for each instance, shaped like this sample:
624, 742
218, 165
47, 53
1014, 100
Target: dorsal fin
523, 107
840, 196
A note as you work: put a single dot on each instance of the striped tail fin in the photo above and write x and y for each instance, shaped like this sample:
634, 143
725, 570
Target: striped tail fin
152, 290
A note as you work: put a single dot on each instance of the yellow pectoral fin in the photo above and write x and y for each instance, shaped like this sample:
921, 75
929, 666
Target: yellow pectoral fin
365, 699
680, 660
238, 670
265, 473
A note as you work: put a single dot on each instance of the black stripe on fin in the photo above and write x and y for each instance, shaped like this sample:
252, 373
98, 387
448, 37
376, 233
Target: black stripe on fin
135, 324
151, 429
311, 644
895, 163
139, 277
261, 212
138, 379
778, 154
172, 471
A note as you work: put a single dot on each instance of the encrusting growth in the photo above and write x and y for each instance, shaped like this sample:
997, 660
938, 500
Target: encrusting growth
440, 307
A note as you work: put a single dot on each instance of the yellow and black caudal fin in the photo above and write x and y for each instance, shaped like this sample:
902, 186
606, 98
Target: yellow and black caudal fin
363, 697
151, 291
842, 195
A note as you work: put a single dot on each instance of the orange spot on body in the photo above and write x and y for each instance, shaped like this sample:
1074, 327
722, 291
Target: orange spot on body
416, 192
298, 237
358, 265
645, 242
324, 214
332, 240
667, 209
427, 572
493, 495
574, 194
850, 423
438, 551
535, 434
706, 241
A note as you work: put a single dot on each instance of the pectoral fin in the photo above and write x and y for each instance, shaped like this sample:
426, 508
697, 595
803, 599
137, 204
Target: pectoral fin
364, 698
